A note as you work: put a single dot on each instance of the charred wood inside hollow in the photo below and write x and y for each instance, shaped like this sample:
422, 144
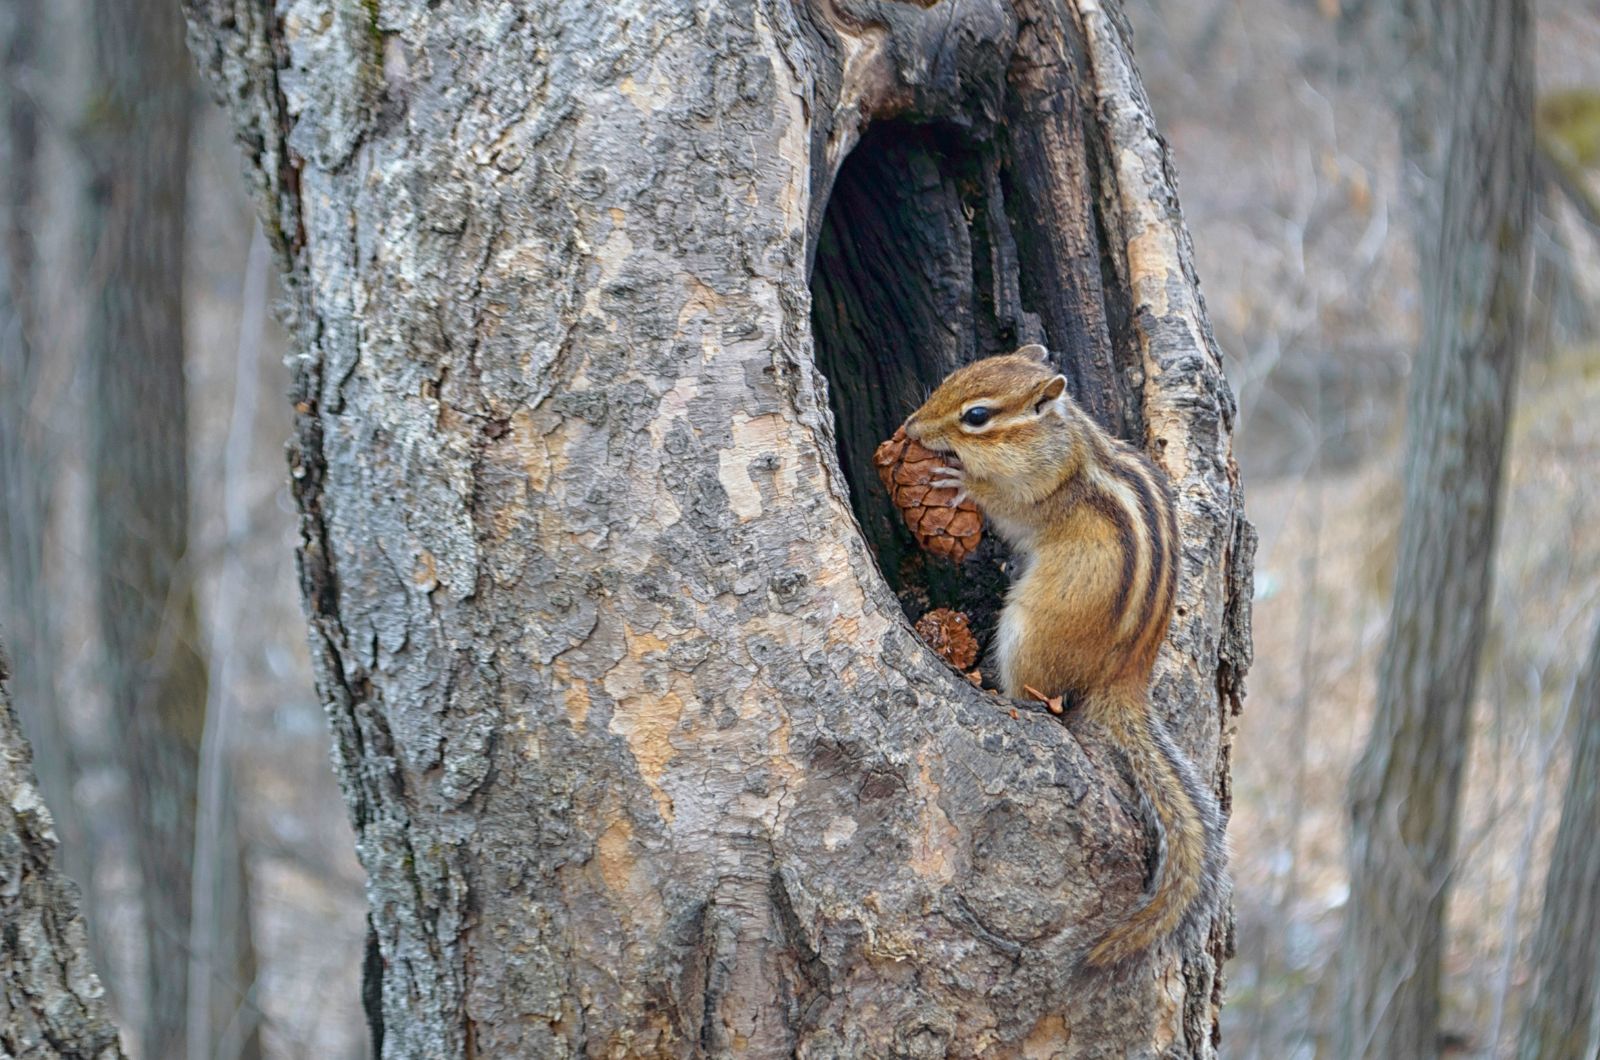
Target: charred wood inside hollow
924, 262
899, 299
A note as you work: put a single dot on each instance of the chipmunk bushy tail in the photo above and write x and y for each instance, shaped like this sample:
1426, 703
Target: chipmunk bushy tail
1188, 878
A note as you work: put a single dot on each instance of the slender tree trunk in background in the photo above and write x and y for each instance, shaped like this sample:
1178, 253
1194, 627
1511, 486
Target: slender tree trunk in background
27, 612
1469, 134
1563, 1014
643, 756
22, 502
136, 140
219, 870
51, 1002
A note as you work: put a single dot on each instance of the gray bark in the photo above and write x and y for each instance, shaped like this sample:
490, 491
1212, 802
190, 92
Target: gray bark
1469, 128
642, 754
51, 1003
1563, 1014
135, 137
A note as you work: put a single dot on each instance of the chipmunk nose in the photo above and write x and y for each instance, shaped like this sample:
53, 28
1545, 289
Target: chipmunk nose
913, 428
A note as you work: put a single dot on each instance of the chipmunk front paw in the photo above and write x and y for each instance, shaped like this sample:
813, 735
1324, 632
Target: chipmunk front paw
950, 477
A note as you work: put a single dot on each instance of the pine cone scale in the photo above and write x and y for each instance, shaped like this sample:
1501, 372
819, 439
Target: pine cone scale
939, 524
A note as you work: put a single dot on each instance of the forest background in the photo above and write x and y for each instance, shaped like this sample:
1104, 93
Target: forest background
1289, 163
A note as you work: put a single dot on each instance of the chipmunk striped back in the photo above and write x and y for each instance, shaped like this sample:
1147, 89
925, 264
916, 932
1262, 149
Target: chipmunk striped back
1093, 525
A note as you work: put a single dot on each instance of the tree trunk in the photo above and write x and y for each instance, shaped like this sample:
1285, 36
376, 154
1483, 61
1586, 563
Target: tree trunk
1563, 1013
1473, 205
51, 1002
643, 756
136, 141
22, 500
26, 459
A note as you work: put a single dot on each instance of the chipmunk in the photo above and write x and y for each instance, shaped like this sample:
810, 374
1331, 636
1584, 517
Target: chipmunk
1091, 522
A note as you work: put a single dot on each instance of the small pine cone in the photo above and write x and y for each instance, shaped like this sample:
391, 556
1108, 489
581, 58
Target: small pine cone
946, 632
940, 525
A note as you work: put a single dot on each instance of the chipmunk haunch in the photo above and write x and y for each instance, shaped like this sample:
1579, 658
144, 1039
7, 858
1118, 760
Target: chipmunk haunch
1092, 526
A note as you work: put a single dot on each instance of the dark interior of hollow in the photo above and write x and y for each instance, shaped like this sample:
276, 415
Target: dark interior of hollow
915, 273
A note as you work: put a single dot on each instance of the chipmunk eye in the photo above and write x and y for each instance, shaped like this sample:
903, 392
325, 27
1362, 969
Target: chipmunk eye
976, 416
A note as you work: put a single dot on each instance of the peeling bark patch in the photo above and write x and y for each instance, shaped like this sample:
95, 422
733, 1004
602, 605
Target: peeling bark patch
532, 450
650, 93
756, 441
1047, 1039
630, 884
574, 694
938, 839
645, 714
838, 832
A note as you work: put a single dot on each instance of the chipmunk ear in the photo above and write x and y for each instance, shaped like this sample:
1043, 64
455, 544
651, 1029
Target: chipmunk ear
1035, 351
1052, 389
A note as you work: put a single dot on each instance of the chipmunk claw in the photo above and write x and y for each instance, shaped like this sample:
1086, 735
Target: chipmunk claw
950, 478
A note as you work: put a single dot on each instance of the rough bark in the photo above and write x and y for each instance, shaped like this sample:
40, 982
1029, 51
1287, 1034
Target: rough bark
135, 138
51, 1002
1563, 1013
642, 754
1469, 138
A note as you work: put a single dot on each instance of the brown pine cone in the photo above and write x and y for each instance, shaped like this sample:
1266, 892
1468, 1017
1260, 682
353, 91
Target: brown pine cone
946, 632
940, 525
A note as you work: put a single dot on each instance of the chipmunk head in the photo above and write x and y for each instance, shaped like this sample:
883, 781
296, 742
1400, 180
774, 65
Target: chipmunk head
1008, 419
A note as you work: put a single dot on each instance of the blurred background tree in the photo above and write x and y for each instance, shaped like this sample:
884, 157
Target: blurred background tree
1562, 1017
1466, 116
133, 336
26, 457
135, 138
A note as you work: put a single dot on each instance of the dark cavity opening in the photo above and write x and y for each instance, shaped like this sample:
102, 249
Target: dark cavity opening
915, 273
